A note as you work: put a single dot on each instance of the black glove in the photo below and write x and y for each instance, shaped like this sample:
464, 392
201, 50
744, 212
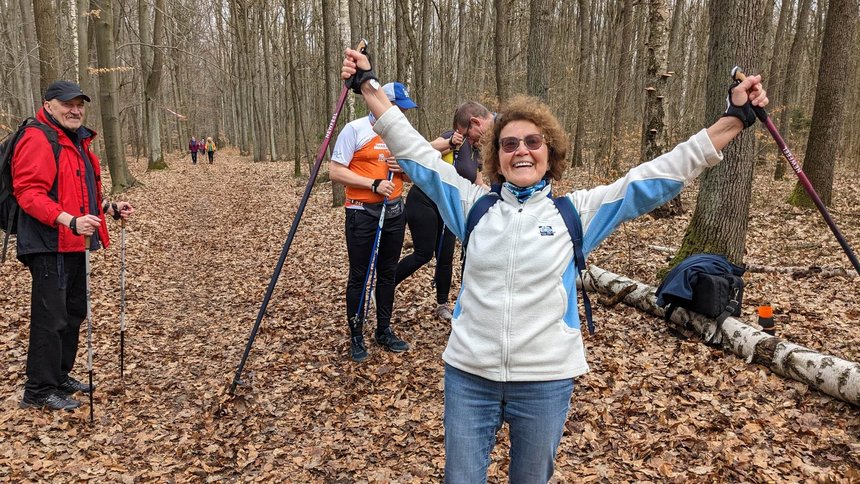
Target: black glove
745, 112
361, 76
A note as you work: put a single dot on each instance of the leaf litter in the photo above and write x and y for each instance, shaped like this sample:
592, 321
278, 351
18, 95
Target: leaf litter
200, 254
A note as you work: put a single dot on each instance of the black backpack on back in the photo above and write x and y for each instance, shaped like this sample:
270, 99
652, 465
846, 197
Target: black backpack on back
8, 205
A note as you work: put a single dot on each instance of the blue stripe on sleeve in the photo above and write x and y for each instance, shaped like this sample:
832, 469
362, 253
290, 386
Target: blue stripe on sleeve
446, 196
641, 197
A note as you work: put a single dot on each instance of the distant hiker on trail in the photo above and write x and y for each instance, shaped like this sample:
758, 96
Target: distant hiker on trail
516, 343
360, 161
192, 147
210, 149
61, 203
425, 223
201, 146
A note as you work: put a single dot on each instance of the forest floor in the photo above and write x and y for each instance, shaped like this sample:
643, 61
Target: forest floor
200, 253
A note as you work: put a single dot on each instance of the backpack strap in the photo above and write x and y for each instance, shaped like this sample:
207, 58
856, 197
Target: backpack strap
574, 227
6, 163
476, 212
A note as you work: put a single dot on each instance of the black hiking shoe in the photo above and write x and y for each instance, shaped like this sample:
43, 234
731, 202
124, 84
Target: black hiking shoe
53, 401
72, 386
357, 349
388, 340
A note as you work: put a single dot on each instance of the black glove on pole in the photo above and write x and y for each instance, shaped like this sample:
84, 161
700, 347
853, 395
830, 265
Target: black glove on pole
311, 180
738, 75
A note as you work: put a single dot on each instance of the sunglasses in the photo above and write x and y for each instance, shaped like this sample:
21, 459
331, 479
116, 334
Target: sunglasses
510, 144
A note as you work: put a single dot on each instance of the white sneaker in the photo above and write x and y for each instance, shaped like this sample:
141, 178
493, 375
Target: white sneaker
443, 312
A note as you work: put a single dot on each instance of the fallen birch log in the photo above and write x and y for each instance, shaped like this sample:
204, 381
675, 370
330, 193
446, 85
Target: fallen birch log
828, 374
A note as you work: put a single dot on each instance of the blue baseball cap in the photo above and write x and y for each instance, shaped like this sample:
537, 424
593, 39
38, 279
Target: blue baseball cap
398, 94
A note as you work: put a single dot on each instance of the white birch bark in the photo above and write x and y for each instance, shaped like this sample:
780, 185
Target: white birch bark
828, 374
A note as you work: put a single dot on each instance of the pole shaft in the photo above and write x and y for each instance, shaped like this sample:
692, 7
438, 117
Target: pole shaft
311, 179
810, 190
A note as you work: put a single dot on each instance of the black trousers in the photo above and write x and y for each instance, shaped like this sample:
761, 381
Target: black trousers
58, 306
360, 232
426, 226
211, 156
193, 157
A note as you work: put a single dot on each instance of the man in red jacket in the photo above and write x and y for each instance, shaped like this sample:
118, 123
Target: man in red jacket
61, 203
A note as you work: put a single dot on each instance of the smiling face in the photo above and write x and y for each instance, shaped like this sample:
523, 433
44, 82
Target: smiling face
523, 167
70, 114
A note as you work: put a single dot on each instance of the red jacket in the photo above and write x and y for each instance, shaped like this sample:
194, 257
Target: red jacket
44, 189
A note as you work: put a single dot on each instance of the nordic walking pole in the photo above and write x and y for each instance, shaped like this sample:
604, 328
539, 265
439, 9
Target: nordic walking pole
371, 266
311, 179
122, 300
761, 114
89, 322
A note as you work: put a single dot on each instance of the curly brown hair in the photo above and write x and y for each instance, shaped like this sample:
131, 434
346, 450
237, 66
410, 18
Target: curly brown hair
526, 108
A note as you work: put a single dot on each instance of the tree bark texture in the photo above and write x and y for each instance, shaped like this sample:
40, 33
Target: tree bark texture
829, 113
49, 49
828, 374
121, 178
719, 223
540, 30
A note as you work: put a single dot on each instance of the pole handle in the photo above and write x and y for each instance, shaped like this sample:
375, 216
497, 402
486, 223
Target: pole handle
738, 75
87, 239
361, 47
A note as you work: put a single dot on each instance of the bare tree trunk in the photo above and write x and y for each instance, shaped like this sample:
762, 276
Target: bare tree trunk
500, 50
121, 178
829, 112
152, 86
584, 76
540, 31
49, 49
790, 76
338, 195
719, 223
34, 95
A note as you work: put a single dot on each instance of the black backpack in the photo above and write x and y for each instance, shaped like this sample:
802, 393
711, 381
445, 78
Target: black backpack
707, 284
8, 205
571, 220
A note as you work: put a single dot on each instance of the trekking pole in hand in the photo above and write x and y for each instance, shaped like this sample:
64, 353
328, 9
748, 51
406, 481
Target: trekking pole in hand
371, 266
761, 114
122, 300
311, 180
89, 321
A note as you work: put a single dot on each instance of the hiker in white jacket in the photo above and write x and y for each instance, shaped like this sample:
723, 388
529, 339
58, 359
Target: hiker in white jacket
515, 343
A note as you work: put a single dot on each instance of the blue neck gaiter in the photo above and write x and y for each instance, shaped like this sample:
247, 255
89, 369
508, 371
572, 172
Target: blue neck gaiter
524, 194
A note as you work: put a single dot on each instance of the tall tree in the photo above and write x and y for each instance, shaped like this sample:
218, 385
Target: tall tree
584, 74
540, 31
332, 85
152, 61
34, 96
791, 79
49, 48
719, 223
829, 112
121, 178
500, 43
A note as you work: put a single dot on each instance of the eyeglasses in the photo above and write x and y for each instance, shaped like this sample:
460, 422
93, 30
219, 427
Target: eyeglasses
510, 144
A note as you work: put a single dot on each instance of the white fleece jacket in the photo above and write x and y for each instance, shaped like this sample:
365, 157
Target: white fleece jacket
516, 317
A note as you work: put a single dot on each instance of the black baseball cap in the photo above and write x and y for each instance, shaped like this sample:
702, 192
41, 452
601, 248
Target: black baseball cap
65, 91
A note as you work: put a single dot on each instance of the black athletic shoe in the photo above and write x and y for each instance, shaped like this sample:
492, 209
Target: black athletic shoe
53, 401
357, 349
388, 340
72, 386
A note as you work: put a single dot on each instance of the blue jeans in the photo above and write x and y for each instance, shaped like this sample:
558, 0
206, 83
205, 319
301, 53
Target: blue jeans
475, 409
